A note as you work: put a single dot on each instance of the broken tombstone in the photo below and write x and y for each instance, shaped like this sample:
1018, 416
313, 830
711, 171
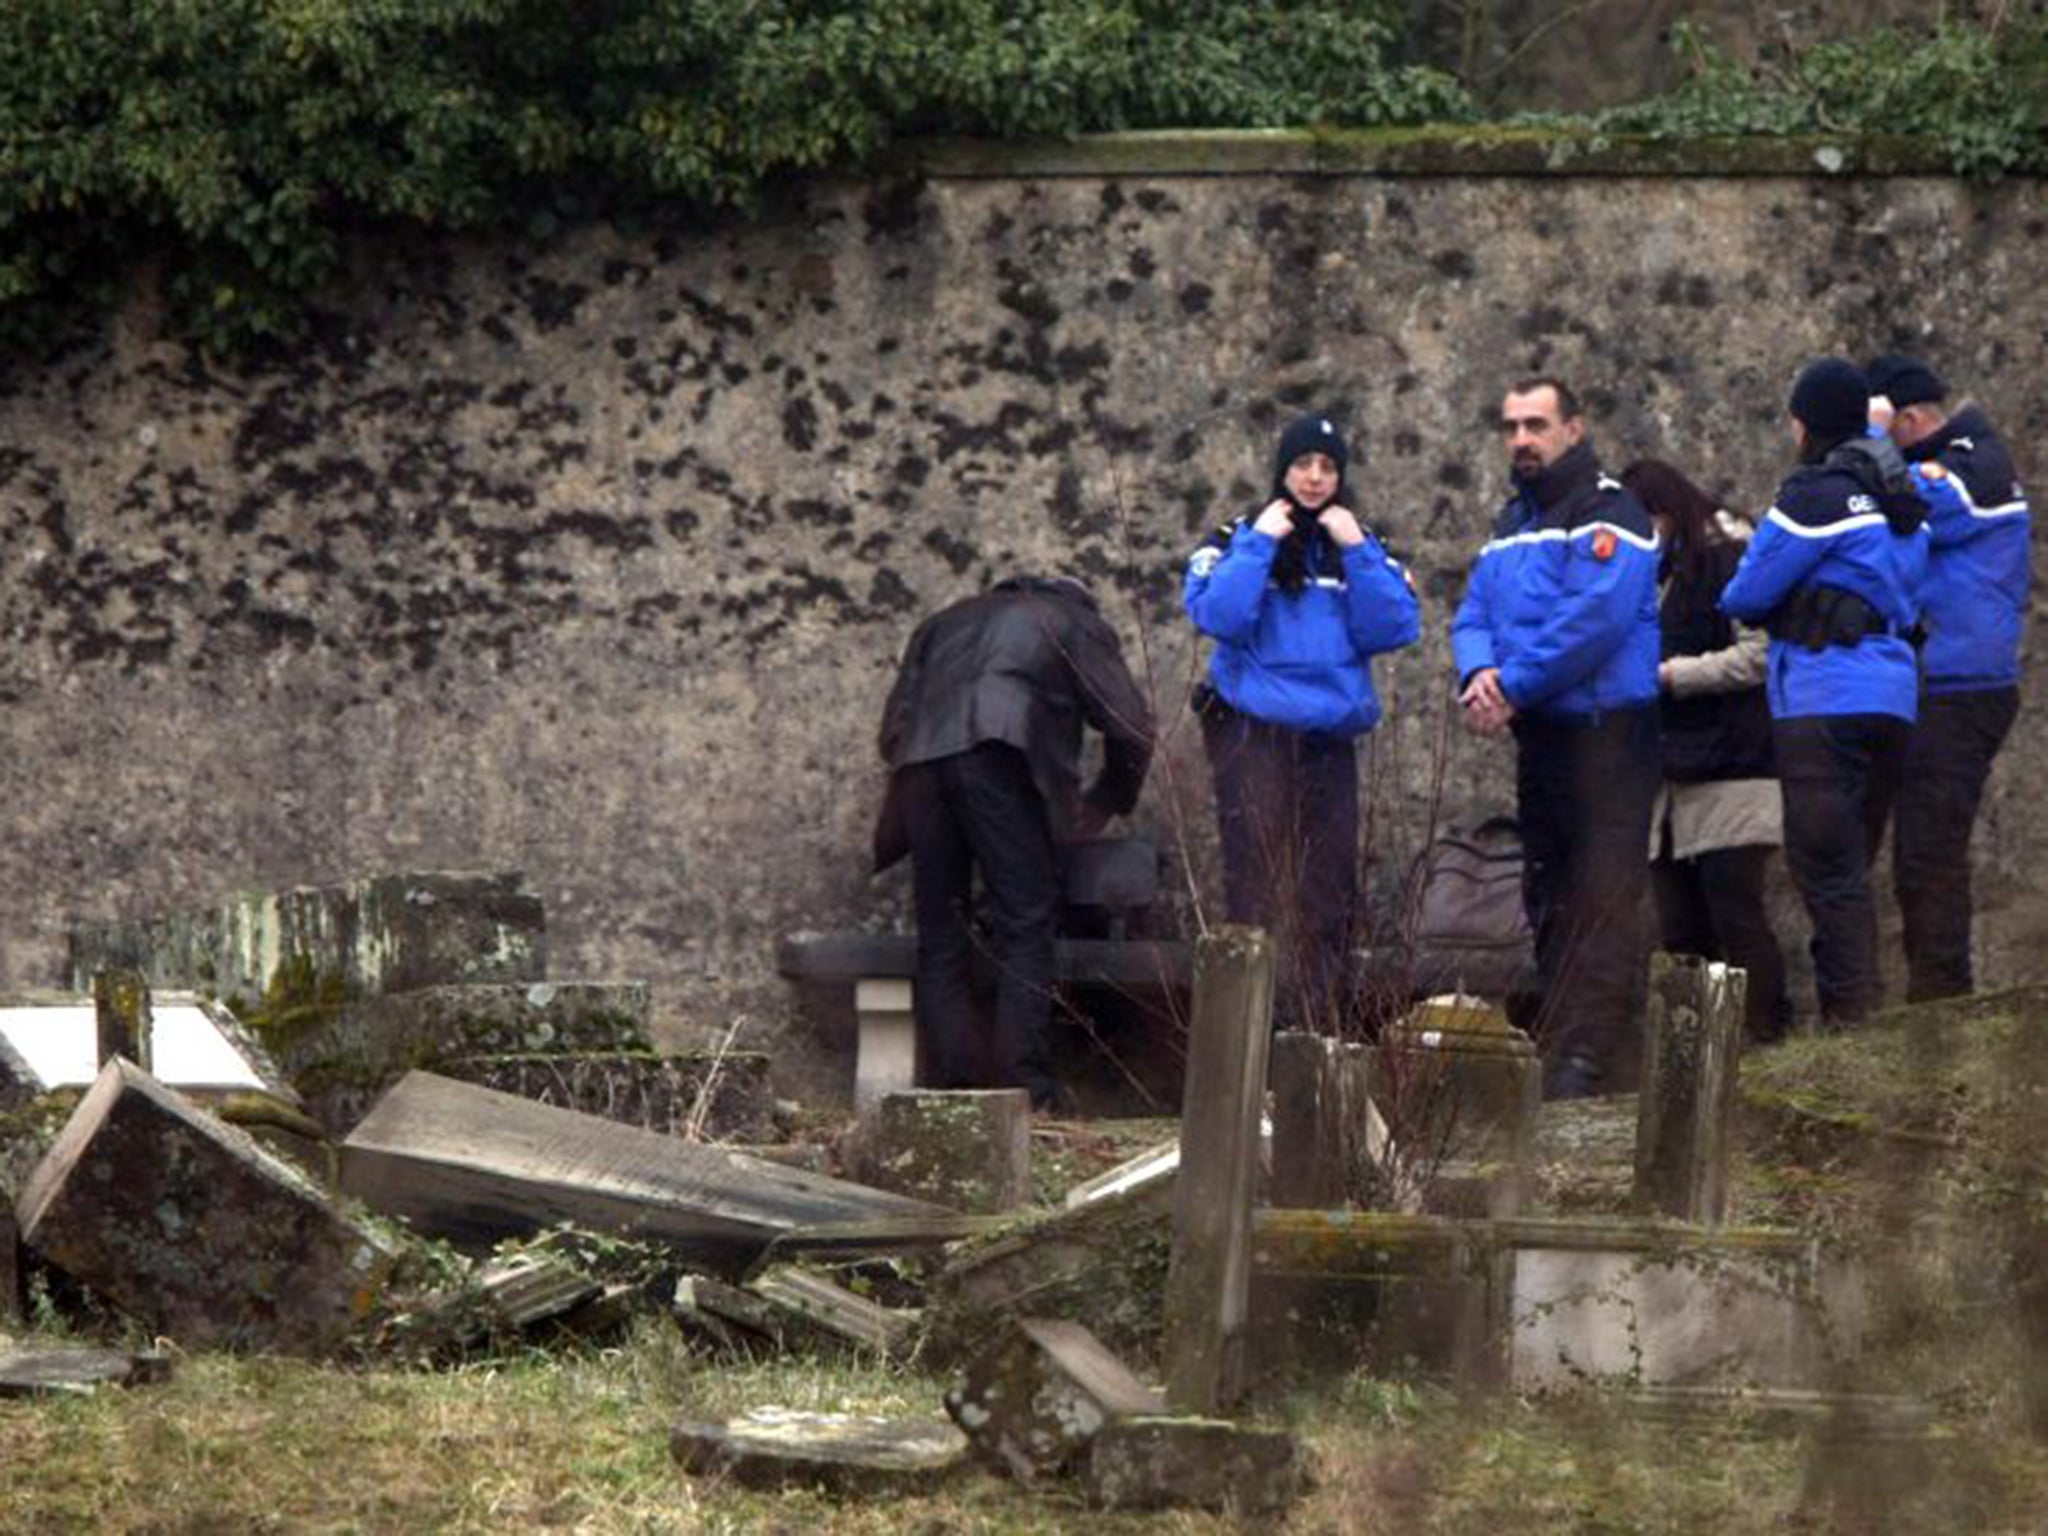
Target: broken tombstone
723, 1096
188, 1224
1167, 1462
1032, 1403
776, 1447
56, 1369
966, 1149
475, 1166
789, 1307
1102, 1264
1460, 1087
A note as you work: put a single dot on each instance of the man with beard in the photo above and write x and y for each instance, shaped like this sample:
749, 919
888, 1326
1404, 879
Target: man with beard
1557, 643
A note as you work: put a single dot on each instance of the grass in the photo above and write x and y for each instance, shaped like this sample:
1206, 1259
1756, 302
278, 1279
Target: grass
578, 1442
1919, 1139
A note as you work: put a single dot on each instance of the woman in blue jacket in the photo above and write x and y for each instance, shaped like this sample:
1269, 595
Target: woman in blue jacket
1834, 573
1299, 598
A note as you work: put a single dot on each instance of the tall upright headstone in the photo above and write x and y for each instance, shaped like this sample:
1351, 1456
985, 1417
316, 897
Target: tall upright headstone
1208, 1284
1685, 1117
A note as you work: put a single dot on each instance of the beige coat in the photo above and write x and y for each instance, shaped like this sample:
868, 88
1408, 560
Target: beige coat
1691, 819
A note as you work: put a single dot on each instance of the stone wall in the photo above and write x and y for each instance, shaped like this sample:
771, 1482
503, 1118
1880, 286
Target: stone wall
592, 556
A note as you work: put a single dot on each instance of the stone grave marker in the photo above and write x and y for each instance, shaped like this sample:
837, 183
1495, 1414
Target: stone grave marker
53, 1369
476, 1166
851, 1453
968, 1150
1033, 1402
188, 1224
1167, 1462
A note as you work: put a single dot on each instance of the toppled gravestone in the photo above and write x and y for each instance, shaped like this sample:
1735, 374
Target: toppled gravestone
774, 1447
476, 1166
191, 1226
1102, 1265
1168, 1462
46, 1370
968, 1149
704, 1095
788, 1307
1033, 1403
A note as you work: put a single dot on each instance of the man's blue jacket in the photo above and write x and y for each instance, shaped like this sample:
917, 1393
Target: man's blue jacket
1563, 598
1826, 529
1978, 567
1299, 659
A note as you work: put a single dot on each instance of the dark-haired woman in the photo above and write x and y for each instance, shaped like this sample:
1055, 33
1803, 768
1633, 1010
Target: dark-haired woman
1299, 598
1834, 573
1718, 812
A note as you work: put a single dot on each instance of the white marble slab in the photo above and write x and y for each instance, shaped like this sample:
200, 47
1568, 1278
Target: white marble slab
59, 1044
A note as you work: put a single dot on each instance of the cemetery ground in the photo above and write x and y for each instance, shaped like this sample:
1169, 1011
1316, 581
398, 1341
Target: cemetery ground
1901, 1145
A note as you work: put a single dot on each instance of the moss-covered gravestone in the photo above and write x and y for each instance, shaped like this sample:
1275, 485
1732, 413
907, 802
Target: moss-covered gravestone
1171, 1462
1033, 1402
851, 1453
1460, 1087
191, 1226
969, 1150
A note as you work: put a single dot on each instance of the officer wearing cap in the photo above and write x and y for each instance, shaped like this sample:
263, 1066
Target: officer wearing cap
1979, 532
1834, 574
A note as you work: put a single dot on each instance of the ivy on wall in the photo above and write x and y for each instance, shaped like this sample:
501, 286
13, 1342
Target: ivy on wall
233, 143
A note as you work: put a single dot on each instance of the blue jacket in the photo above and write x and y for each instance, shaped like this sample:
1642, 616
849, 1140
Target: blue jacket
1299, 659
1978, 566
1826, 529
1563, 598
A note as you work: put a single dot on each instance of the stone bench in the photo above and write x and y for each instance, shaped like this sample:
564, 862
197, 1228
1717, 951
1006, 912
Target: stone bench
879, 967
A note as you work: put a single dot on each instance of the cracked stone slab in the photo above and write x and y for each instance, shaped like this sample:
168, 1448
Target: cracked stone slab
771, 1447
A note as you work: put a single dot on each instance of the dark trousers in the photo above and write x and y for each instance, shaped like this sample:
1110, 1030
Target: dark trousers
980, 808
1946, 766
1584, 788
1287, 812
1840, 775
1712, 905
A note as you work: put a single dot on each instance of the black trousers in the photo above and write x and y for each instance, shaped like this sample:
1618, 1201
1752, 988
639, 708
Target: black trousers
1712, 905
1584, 789
1287, 813
980, 808
1947, 764
1840, 775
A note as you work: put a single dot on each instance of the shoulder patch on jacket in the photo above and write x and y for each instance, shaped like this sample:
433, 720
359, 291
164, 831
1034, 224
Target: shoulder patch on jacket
1605, 542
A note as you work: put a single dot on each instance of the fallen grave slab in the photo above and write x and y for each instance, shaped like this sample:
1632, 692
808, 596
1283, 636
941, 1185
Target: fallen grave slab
1035, 1400
47, 1370
475, 1166
704, 1095
1144, 1462
834, 1310
776, 1447
1102, 1264
730, 1318
188, 1224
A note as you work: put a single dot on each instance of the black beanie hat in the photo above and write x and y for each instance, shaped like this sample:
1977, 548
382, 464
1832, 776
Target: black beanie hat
1905, 380
1309, 434
1833, 398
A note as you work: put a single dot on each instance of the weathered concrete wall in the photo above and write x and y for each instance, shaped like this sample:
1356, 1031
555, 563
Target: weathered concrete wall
594, 557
